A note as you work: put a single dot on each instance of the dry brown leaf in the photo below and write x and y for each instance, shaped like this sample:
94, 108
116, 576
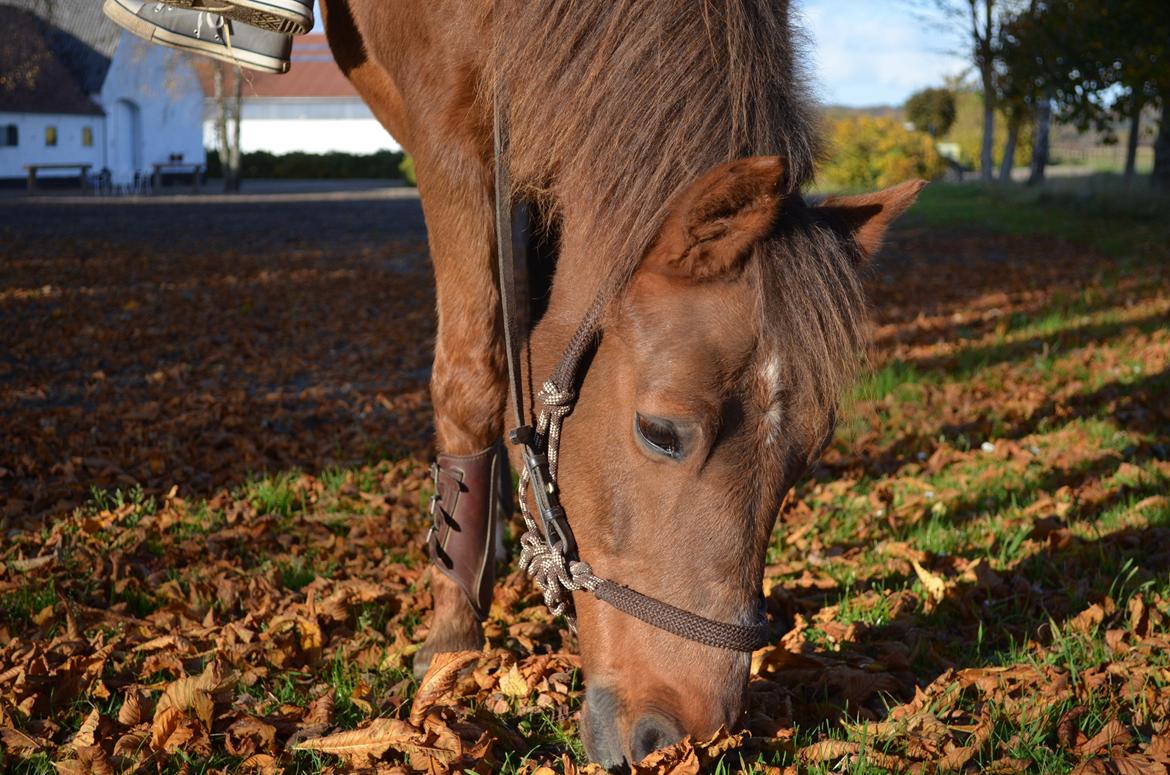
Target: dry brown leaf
512, 684
249, 735
827, 750
359, 746
1091, 767
678, 759
321, 709
1136, 764
134, 707
1113, 733
132, 744
168, 731
1139, 616
17, 740
71, 767
439, 681
85, 737
263, 763
1159, 748
198, 692
1088, 620
936, 586
33, 563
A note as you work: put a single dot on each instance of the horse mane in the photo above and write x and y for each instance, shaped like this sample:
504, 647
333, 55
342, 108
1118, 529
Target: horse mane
615, 105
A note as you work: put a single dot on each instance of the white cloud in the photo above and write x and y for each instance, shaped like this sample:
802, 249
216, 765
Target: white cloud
872, 52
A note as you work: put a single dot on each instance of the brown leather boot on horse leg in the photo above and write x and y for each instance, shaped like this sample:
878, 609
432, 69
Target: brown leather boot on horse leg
468, 508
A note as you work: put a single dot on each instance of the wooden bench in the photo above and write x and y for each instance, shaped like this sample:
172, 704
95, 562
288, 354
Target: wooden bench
33, 169
196, 171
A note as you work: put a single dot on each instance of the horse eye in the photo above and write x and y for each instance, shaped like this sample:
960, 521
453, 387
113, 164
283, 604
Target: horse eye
660, 436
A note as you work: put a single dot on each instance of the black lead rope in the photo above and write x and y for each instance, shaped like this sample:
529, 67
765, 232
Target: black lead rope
549, 554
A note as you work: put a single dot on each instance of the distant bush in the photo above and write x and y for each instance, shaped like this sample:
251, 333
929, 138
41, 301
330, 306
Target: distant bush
261, 164
932, 111
406, 167
874, 152
967, 133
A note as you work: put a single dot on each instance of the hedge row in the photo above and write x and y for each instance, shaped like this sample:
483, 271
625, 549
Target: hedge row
261, 164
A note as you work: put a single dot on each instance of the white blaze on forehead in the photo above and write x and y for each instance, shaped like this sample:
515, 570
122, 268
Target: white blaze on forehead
770, 382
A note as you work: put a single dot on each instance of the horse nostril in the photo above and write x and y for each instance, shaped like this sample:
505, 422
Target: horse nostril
651, 733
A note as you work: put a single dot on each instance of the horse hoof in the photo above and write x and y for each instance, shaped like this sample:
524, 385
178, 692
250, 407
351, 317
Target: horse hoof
445, 638
454, 625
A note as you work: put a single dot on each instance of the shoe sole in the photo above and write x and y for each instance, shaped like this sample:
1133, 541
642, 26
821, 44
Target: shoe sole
284, 16
130, 21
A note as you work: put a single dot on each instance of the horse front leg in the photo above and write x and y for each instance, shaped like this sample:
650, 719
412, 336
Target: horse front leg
468, 391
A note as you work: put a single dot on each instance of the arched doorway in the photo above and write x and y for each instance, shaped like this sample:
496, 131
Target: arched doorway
127, 130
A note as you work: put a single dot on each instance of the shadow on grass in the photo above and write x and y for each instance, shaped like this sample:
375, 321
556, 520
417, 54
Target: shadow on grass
965, 363
1138, 405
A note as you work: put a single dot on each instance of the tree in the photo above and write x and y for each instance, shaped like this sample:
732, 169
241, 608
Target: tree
875, 152
980, 22
1022, 86
931, 111
229, 108
1112, 60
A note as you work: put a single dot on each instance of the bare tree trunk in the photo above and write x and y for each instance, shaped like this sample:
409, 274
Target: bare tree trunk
1131, 144
1040, 135
227, 133
984, 40
221, 122
1161, 176
987, 153
1009, 148
237, 111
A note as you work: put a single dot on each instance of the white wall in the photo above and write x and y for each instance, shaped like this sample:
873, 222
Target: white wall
160, 83
32, 149
311, 125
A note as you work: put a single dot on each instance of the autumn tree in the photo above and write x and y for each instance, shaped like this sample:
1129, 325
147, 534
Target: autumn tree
979, 22
228, 94
931, 111
1025, 84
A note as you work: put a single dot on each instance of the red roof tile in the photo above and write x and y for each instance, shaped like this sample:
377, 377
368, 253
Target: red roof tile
313, 74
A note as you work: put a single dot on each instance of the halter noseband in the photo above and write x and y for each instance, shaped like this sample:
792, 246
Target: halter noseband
548, 551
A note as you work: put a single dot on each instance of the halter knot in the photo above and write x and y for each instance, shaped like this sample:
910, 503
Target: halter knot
553, 573
552, 396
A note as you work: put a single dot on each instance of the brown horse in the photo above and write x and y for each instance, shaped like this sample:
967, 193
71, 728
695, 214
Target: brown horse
664, 143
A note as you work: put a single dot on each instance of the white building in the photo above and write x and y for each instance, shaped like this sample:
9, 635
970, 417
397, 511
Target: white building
312, 108
76, 89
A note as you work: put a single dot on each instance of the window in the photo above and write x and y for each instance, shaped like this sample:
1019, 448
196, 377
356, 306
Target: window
50, 135
87, 136
9, 135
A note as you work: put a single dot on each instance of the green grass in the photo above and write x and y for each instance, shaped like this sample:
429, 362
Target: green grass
277, 495
30, 598
1119, 222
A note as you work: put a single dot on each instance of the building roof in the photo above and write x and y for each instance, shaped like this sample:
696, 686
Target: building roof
33, 76
314, 73
80, 35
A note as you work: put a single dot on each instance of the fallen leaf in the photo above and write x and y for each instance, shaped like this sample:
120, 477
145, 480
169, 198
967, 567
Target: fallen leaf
439, 681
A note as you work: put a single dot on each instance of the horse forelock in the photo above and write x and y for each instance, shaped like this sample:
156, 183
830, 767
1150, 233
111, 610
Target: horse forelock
614, 106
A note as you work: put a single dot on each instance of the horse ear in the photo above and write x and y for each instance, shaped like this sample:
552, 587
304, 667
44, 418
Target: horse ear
713, 223
866, 217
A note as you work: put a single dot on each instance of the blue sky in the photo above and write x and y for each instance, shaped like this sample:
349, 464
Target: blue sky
871, 52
